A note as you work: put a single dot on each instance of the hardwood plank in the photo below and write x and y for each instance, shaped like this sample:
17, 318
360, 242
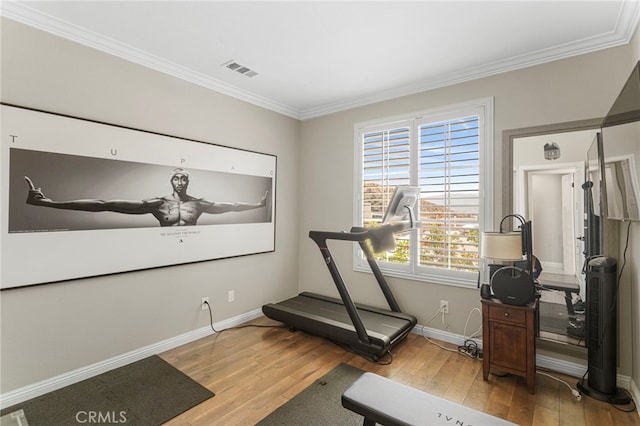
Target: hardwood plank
544, 416
501, 395
462, 382
253, 371
523, 405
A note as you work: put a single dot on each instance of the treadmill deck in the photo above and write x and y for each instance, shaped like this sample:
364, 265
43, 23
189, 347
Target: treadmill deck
328, 317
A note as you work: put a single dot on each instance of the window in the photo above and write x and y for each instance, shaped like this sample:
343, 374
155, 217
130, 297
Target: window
448, 154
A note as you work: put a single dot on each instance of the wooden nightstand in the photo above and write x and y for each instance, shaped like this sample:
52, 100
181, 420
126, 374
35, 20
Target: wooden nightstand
509, 339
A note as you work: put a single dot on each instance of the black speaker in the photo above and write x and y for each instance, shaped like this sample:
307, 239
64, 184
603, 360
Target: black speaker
513, 286
601, 332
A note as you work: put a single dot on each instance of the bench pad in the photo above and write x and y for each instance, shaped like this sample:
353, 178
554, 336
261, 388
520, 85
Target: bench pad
387, 402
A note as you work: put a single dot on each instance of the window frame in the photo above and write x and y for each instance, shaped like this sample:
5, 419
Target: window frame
483, 108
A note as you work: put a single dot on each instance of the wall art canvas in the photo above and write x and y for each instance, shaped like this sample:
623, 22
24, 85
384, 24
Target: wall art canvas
82, 198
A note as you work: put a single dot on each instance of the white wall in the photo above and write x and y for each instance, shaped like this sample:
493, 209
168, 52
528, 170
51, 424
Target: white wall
547, 234
53, 329
578, 88
529, 151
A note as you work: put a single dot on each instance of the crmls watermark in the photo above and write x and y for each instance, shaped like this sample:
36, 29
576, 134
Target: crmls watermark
16, 418
108, 417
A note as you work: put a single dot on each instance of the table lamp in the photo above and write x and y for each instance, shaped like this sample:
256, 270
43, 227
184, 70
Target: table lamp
506, 246
503, 246
515, 285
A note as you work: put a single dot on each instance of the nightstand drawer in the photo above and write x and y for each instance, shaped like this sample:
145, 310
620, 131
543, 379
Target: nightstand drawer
507, 314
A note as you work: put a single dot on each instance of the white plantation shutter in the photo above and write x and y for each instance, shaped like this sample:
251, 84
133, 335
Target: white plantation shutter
385, 165
441, 153
449, 178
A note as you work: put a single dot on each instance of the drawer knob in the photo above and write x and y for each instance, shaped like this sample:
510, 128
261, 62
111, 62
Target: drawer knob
506, 314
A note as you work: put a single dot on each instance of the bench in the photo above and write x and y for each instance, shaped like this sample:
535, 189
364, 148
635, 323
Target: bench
386, 402
567, 288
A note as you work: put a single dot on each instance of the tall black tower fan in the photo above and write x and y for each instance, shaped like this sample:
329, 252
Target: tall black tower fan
601, 332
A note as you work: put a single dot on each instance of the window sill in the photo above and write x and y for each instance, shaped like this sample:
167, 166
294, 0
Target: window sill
431, 279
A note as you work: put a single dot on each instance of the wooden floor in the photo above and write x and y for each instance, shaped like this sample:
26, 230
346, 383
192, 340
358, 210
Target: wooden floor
255, 370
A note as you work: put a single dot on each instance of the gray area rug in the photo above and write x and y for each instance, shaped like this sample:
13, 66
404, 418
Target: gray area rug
319, 404
147, 392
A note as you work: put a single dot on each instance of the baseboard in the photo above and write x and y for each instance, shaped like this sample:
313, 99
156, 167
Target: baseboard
25, 393
635, 394
443, 336
543, 361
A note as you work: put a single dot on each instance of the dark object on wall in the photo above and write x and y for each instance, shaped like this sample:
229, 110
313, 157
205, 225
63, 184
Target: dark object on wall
551, 151
626, 107
513, 286
621, 147
601, 332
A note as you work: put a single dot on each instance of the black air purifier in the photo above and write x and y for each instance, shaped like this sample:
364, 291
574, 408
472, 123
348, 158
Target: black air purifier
601, 332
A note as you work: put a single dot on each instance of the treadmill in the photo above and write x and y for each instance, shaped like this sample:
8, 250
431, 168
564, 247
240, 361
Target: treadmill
366, 330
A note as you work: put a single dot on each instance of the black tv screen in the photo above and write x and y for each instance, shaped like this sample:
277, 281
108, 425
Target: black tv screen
621, 153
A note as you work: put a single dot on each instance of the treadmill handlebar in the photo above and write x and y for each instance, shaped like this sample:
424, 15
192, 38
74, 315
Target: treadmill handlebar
360, 235
356, 233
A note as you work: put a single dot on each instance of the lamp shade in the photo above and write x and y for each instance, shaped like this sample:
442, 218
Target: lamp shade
501, 246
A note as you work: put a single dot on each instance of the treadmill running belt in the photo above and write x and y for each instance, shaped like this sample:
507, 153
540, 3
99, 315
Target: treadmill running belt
328, 317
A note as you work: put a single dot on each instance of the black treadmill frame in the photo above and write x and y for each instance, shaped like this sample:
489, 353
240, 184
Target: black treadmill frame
361, 235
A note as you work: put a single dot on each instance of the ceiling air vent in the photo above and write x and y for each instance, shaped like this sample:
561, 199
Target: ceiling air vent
241, 69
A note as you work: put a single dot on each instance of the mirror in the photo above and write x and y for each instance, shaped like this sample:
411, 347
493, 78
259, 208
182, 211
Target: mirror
548, 190
547, 186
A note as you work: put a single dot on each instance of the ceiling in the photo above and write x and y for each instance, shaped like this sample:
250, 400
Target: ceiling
317, 57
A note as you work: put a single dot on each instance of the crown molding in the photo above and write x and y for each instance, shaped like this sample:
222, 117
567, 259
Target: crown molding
24, 14
625, 28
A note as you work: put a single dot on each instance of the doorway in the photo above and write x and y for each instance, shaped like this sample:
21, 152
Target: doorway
551, 200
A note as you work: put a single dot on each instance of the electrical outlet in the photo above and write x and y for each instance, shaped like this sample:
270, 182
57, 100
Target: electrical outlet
444, 306
203, 303
231, 296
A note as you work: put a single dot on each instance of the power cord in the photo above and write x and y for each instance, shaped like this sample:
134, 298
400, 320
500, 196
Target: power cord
237, 326
470, 347
210, 316
466, 324
632, 404
433, 342
576, 394
624, 255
